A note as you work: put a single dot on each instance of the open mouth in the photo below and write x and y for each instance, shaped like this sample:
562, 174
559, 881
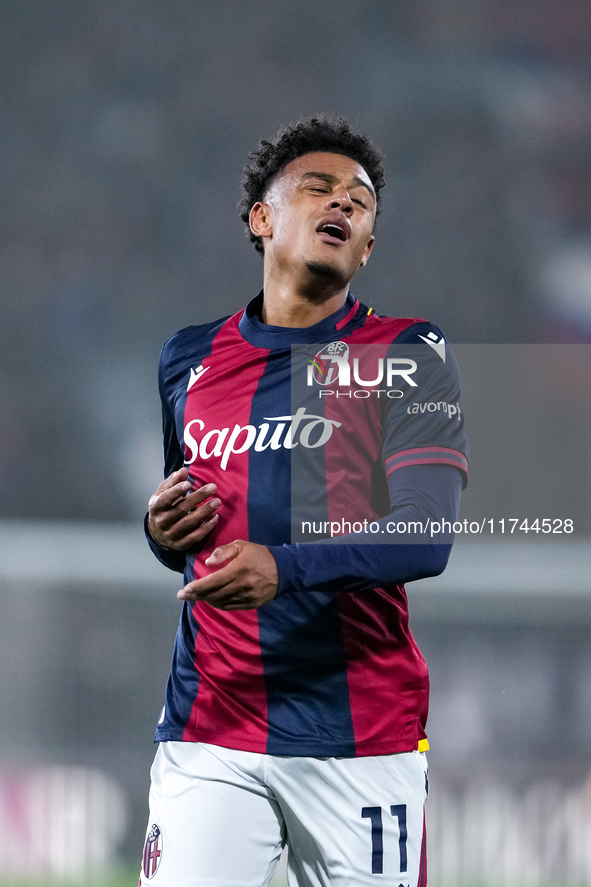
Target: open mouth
333, 230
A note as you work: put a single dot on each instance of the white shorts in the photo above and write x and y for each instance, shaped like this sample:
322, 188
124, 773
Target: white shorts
220, 818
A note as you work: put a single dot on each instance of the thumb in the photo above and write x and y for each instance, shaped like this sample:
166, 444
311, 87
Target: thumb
223, 553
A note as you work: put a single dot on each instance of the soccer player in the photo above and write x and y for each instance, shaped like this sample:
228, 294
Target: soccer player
296, 705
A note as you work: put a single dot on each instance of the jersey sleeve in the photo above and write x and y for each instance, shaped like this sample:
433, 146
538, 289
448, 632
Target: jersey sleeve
173, 460
174, 560
426, 426
420, 495
173, 454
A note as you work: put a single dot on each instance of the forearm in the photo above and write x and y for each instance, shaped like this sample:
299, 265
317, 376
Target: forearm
420, 495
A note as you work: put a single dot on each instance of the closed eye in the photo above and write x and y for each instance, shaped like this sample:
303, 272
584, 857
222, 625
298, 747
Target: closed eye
327, 191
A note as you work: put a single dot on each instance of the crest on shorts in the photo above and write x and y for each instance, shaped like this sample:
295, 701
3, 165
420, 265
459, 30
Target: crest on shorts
152, 851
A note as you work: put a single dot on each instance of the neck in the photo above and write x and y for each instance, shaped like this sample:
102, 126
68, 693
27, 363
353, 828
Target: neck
287, 303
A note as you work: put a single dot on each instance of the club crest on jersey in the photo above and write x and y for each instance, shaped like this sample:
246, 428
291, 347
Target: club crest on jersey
325, 365
332, 364
303, 428
152, 852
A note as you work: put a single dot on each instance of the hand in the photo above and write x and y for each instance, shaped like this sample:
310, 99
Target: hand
248, 580
177, 520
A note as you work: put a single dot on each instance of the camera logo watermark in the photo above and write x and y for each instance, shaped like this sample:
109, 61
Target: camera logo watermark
332, 366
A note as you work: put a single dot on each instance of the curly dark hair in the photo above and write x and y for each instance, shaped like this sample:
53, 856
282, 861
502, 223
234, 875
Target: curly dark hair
321, 133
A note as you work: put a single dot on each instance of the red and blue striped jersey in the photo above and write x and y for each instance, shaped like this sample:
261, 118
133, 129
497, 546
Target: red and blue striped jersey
329, 667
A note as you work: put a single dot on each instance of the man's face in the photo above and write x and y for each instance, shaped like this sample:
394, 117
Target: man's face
318, 214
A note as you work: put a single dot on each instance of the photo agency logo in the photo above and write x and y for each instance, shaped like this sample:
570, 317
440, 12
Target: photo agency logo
338, 374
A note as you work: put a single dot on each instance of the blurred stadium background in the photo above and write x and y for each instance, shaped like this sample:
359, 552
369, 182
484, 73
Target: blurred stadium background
125, 126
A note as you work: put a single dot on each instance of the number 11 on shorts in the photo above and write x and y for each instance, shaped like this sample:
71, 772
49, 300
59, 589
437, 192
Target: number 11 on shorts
374, 814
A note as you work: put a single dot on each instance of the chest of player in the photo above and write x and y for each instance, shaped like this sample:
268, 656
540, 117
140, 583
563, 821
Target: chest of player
248, 405
235, 405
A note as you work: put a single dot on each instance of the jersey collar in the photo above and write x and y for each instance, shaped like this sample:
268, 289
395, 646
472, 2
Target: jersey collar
263, 335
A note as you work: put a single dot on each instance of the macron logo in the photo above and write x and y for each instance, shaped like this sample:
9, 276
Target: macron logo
436, 344
196, 374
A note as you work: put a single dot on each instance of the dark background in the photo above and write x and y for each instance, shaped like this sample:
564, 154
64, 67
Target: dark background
124, 131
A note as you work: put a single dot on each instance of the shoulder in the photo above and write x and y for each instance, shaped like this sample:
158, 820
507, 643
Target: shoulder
183, 351
416, 340
412, 330
421, 332
185, 341
400, 330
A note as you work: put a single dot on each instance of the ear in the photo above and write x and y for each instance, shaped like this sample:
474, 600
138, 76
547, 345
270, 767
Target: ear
367, 251
260, 219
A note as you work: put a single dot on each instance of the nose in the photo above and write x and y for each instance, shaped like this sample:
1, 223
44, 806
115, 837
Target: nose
341, 200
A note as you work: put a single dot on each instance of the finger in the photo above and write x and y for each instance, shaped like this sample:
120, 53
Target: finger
193, 499
185, 540
224, 600
166, 497
235, 602
222, 554
176, 477
176, 498
235, 599
202, 588
181, 522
